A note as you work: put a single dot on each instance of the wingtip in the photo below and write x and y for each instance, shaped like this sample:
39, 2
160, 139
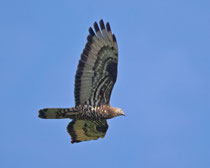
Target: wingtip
114, 38
101, 22
75, 141
96, 26
91, 31
89, 38
108, 27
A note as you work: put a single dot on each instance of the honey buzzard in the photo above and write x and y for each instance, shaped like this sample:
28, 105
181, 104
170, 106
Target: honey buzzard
95, 78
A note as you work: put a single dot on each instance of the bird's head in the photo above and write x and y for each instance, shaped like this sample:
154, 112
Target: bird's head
118, 111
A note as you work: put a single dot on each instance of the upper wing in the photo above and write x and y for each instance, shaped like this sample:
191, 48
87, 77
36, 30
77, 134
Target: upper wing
86, 130
97, 70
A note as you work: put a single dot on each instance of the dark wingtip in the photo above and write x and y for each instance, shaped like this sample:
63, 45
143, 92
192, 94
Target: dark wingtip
85, 52
87, 46
84, 58
101, 20
70, 129
75, 141
42, 113
114, 38
91, 31
108, 27
102, 24
89, 38
96, 27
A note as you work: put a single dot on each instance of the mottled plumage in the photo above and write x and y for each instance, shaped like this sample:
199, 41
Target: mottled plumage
94, 80
86, 130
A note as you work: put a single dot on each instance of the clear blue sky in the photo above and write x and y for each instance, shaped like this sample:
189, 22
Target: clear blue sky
162, 83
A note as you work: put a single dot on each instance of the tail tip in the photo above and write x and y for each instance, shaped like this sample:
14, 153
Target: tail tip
42, 113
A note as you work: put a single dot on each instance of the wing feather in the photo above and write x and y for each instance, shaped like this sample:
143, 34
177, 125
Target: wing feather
85, 130
97, 69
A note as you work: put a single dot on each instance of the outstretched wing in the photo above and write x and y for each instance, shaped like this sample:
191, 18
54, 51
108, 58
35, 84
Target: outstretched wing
97, 70
86, 130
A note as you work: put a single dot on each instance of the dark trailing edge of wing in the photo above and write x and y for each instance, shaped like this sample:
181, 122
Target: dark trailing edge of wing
90, 38
114, 38
102, 24
91, 31
96, 27
108, 27
71, 131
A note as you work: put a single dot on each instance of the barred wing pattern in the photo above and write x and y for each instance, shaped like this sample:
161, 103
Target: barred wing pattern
97, 70
86, 130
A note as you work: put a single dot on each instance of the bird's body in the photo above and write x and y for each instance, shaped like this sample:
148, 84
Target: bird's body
81, 112
94, 80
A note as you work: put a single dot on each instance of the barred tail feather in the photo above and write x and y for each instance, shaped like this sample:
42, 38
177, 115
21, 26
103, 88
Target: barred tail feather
56, 113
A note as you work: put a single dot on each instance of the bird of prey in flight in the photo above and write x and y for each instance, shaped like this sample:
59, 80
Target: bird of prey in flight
94, 80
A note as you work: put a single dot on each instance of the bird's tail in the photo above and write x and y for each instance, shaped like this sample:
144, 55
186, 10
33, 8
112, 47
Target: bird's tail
57, 113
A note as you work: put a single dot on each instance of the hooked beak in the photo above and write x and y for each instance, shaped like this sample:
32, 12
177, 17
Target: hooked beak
122, 113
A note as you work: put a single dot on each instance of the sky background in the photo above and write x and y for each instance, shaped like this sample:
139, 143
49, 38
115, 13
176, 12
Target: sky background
162, 86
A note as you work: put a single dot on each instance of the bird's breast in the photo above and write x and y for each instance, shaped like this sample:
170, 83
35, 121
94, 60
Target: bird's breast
91, 112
